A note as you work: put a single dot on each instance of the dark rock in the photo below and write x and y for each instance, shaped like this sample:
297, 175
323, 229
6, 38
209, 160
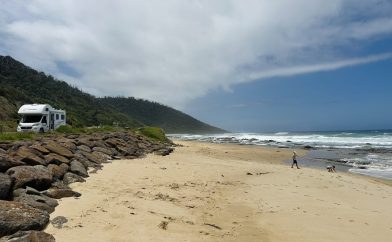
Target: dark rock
70, 177
84, 148
5, 145
28, 236
78, 168
106, 151
93, 157
58, 193
56, 159
27, 156
41, 149
164, 151
58, 222
5, 186
2, 151
85, 142
38, 201
38, 177
86, 162
113, 142
58, 149
15, 216
308, 147
7, 162
27, 190
58, 171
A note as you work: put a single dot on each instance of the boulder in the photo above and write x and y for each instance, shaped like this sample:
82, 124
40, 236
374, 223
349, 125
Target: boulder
58, 222
84, 148
106, 151
126, 151
27, 156
86, 163
28, 236
78, 168
5, 145
38, 177
56, 159
58, 171
86, 142
40, 148
38, 201
7, 162
70, 177
5, 186
93, 157
164, 151
58, 193
15, 216
114, 142
2, 151
58, 149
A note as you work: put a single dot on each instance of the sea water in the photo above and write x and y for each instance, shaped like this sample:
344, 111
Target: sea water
364, 152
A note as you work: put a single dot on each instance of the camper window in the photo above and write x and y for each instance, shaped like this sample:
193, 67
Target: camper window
62, 117
57, 117
44, 120
31, 118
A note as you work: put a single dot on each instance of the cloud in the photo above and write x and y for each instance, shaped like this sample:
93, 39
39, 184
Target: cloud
174, 51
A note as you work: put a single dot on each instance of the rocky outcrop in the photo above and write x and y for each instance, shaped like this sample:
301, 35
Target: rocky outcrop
15, 216
33, 174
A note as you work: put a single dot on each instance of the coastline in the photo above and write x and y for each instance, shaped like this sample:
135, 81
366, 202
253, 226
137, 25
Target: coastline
224, 192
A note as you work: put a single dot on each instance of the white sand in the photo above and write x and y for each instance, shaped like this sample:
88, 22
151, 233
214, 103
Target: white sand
202, 192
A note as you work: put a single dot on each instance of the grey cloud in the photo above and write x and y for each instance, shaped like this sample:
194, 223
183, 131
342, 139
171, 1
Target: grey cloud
174, 51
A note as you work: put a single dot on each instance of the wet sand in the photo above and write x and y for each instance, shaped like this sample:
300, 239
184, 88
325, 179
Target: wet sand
211, 192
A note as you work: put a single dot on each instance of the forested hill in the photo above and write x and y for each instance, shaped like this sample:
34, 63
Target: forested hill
20, 84
155, 114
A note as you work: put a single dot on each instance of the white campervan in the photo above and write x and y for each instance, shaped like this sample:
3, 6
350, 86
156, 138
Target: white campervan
40, 118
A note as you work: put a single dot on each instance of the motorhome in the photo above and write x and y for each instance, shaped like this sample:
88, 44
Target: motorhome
40, 118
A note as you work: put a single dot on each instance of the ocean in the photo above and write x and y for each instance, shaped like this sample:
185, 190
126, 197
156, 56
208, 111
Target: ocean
364, 152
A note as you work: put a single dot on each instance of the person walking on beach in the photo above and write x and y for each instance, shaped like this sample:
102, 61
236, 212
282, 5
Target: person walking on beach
294, 160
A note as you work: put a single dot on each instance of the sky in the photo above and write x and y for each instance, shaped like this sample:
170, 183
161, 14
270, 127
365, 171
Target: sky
242, 65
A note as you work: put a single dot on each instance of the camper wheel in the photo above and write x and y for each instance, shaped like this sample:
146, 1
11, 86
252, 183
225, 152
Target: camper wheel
41, 130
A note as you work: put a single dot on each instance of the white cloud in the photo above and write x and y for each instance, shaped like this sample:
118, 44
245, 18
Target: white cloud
173, 51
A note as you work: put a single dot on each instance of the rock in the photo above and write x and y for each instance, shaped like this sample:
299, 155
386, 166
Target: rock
38, 201
106, 151
70, 177
308, 147
84, 148
2, 151
27, 190
113, 142
126, 151
58, 171
85, 142
15, 216
78, 168
41, 149
38, 177
86, 163
164, 151
27, 156
93, 157
28, 236
56, 159
58, 149
7, 162
58, 222
5, 186
58, 193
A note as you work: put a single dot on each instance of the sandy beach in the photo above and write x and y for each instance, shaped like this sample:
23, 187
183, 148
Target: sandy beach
211, 192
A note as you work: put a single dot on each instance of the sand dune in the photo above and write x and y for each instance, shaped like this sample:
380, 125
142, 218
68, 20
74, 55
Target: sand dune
208, 192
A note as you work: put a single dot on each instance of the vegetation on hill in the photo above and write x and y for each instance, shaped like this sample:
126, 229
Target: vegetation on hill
20, 84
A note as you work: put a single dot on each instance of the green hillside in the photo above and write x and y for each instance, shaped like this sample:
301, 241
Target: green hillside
155, 114
20, 84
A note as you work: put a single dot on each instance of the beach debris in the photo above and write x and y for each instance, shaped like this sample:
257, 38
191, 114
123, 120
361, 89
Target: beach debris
213, 225
58, 222
163, 225
249, 174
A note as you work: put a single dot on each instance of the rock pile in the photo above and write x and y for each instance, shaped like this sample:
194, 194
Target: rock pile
33, 174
